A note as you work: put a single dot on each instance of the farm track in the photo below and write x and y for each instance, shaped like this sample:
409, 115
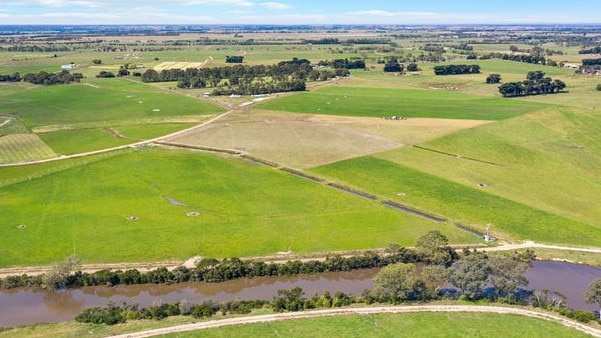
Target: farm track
279, 258
366, 311
132, 145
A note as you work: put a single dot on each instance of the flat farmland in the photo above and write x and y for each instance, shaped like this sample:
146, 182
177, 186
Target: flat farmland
305, 141
151, 205
414, 325
548, 160
467, 205
106, 101
388, 102
23, 147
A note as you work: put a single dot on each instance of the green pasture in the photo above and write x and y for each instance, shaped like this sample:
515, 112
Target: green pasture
76, 141
134, 207
467, 205
105, 101
387, 102
548, 160
412, 325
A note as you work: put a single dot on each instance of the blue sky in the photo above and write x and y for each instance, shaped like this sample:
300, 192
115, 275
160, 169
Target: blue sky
401, 12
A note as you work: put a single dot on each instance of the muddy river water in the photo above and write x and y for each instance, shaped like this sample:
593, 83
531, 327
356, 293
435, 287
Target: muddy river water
26, 305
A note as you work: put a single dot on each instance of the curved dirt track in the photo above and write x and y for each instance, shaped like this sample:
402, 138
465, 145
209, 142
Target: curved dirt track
131, 145
365, 311
190, 263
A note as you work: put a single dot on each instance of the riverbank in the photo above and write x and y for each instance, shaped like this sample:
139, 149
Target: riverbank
577, 255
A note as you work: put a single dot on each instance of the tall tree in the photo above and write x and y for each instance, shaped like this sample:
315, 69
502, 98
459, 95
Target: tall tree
593, 293
396, 283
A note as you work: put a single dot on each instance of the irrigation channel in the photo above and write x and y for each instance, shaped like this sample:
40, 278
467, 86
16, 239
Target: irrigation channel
28, 305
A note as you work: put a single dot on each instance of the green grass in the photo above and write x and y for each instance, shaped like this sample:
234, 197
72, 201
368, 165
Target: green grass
75, 141
245, 209
398, 325
468, 205
375, 102
23, 147
548, 161
111, 101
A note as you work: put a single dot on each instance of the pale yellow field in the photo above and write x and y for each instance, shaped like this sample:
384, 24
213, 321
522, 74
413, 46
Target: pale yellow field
23, 147
306, 141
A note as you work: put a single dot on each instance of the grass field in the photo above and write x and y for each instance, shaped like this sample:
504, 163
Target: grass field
547, 160
23, 147
468, 205
104, 101
403, 325
245, 209
387, 102
378, 325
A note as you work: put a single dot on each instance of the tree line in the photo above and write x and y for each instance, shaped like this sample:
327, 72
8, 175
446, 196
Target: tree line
247, 80
594, 50
43, 78
456, 69
207, 270
591, 62
474, 277
526, 58
535, 84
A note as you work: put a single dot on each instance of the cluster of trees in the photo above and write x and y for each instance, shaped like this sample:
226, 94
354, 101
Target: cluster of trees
527, 58
247, 80
535, 84
234, 59
493, 78
43, 78
14, 77
112, 314
594, 50
456, 69
591, 62
324, 41
209, 270
353, 63
393, 65
260, 87
36, 48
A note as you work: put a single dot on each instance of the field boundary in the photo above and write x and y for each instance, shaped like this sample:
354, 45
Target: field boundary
367, 311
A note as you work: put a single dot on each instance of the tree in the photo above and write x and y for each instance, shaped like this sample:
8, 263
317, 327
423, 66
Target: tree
434, 249
493, 78
436, 276
598, 87
412, 67
393, 66
396, 283
507, 276
471, 275
58, 275
593, 293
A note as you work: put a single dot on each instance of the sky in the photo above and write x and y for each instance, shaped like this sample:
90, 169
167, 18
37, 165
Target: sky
298, 12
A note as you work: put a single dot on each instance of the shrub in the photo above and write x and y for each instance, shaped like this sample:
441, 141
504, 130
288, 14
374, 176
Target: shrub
599, 87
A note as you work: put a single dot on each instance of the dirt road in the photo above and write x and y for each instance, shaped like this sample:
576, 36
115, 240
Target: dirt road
281, 258
365, 311
136, 144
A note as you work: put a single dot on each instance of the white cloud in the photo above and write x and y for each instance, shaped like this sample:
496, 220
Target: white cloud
237, 3
275, 5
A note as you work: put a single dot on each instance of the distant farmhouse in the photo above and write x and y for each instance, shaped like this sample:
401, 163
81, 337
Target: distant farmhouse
69, 66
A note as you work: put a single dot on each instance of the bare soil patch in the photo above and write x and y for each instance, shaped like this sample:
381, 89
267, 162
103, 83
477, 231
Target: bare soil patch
305, 141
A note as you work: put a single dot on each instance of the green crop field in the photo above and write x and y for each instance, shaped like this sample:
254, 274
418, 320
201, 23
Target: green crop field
401, 325
388, 102
135, 207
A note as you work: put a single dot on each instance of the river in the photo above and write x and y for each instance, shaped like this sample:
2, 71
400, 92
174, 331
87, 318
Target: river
28, 305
